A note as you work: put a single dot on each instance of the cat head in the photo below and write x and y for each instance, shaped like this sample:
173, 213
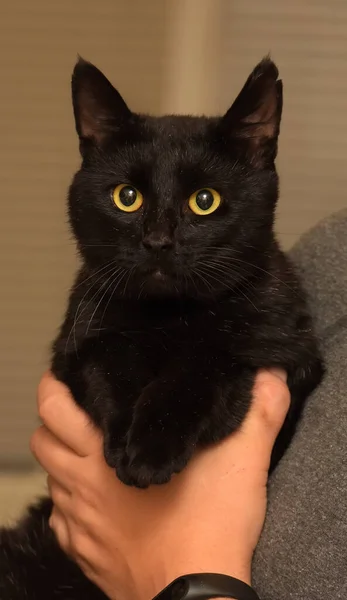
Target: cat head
175, 204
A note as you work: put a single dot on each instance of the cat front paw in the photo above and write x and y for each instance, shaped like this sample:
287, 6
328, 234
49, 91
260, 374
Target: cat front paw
144, 463
157, 438
115, 440
150, 461
160, 441
145, 457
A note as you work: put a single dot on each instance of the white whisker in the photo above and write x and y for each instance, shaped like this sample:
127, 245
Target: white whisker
80, 309
230, 288
115, 278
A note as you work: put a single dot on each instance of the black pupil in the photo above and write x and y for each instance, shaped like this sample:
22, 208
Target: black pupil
204, 199
128, 195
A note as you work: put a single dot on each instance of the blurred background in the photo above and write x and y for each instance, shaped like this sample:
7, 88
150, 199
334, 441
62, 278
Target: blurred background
188, 56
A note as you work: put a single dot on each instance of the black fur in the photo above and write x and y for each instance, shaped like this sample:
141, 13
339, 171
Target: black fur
172, 313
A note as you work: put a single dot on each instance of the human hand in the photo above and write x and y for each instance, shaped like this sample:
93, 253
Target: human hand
133, 542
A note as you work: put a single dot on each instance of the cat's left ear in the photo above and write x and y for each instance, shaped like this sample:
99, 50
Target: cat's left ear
99, 109
254, 118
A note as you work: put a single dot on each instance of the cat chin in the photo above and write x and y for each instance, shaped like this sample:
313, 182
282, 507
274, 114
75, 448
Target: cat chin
160, 283
159, 275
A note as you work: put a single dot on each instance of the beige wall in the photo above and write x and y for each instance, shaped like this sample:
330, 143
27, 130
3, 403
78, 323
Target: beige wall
39, 42
308, 40
171, 55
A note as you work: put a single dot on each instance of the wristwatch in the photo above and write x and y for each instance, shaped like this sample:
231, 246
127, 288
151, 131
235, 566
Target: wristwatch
204, 586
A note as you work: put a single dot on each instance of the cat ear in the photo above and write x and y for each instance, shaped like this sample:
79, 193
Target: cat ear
98, 108
255, 116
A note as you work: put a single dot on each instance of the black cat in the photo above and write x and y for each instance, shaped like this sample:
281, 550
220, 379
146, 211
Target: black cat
182, 296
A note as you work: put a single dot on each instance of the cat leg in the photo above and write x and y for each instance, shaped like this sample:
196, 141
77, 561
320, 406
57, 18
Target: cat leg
177, 412
106, 381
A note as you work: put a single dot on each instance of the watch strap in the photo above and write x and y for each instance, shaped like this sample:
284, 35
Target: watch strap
204, 586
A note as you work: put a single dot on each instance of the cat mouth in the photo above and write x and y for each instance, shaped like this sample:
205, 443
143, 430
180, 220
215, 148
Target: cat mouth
159, 281
159, 278
159, 274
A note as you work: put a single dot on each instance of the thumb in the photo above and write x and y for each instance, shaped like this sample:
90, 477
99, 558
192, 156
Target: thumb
271, 400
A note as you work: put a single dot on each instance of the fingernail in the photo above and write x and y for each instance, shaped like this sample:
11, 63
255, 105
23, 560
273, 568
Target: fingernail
282, 375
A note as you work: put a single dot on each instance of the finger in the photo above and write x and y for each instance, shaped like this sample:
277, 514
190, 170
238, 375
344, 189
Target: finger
60, 496
58, 524
65, 419
271, 400
55, 458
271, 397
73, 541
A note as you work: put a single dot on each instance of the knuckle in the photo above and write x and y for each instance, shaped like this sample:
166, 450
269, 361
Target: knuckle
87, 499
62, 540
83, 505
88, 493
273, 399
60, 529
80, 510
50, 486
58, 497
275, 388
35, 441
44, 387
46, 408
79, 544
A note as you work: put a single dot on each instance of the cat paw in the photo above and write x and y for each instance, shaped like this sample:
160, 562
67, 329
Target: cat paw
159, 440
115, 436
150, 461
134, 469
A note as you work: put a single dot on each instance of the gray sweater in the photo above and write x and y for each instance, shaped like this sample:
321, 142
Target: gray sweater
302, 554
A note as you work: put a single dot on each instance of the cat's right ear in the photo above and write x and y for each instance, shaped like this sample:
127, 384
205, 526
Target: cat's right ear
99, 109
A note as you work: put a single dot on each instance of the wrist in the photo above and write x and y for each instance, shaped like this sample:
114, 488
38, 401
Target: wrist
158, 581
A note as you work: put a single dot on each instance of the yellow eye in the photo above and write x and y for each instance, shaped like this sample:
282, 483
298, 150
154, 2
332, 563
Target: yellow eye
204, 202
127, 198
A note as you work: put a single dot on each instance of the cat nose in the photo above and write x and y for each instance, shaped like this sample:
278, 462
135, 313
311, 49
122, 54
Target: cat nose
157, 241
